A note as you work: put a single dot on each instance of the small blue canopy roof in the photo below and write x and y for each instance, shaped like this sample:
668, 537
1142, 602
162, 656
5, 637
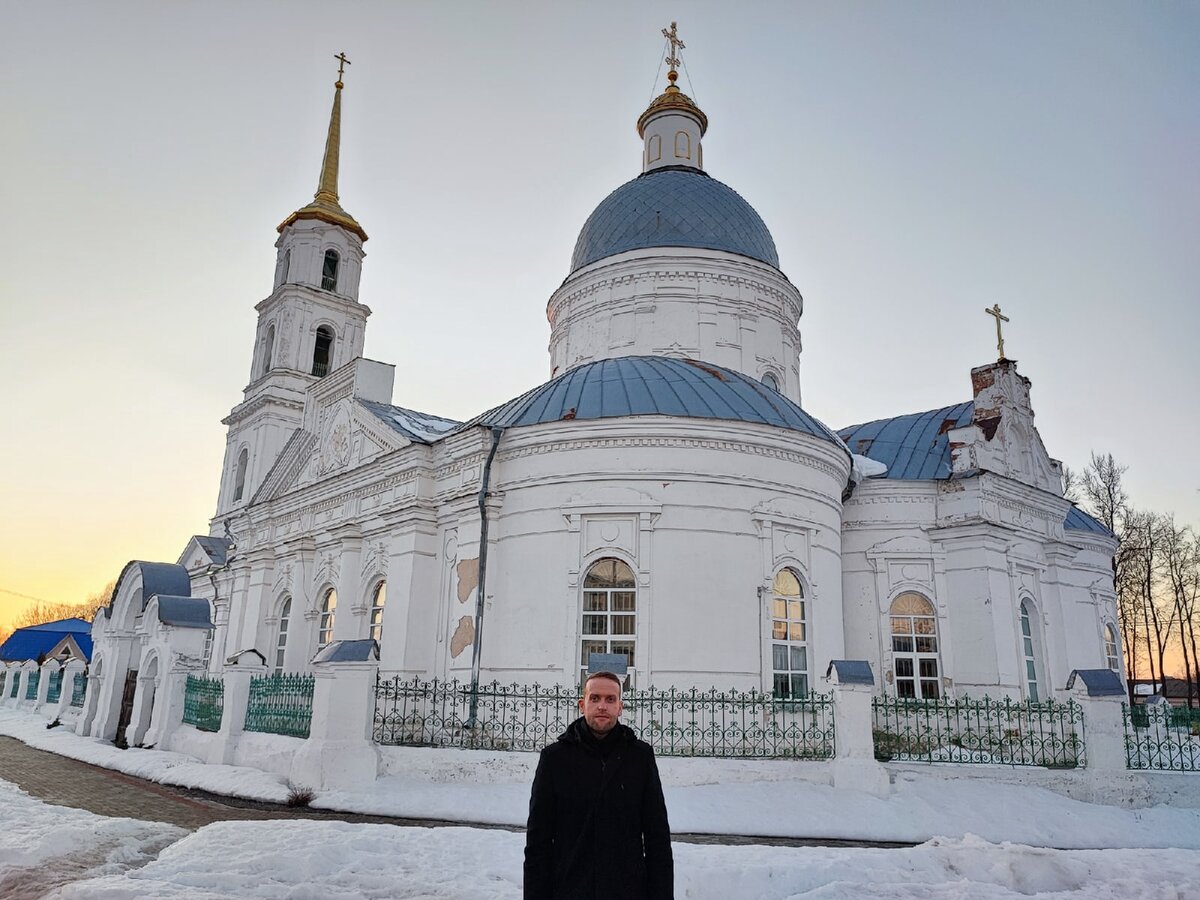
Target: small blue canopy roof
164, 579
184, 612
674, 207
654, 386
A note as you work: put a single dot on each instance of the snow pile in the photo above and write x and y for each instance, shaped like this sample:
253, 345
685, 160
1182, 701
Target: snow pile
339, 861
42, 846
154, 765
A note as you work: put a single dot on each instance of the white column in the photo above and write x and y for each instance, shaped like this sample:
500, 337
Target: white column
72, 667
854, 764
233, 715
168, 706
49, 667
339, 753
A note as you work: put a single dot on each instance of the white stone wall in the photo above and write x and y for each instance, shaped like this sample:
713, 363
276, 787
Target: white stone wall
698, 304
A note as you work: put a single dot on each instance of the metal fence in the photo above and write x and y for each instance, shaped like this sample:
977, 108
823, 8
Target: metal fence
280, 704
997, 732
674, 722
1162, 737
31, 685
203, 702
54, 688
16, 677
78, 689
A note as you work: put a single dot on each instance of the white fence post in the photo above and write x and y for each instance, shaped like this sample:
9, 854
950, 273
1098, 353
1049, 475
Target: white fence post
339, 753
70, 669
1101, 694
854, 764
243, 667
48, 668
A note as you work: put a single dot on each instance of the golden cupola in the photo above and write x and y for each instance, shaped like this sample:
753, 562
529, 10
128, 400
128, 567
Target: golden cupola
325, 206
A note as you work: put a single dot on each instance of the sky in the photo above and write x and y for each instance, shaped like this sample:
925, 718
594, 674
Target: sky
915, 162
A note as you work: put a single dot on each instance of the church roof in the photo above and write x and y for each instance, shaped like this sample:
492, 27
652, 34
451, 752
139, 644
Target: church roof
913, 446
157, 578
422, 428
674, 207
36, 641
654, 386
917, 447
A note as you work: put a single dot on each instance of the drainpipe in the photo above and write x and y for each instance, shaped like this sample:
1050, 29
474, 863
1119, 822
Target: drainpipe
484, 482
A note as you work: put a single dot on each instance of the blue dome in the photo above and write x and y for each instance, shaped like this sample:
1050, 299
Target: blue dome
674, 207
655, 386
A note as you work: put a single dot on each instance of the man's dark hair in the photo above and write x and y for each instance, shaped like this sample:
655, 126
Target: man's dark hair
609, 675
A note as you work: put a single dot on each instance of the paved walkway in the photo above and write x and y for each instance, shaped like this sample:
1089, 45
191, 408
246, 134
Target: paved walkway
68, 782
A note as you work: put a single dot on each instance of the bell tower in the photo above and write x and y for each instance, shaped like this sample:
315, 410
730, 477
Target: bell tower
309, 325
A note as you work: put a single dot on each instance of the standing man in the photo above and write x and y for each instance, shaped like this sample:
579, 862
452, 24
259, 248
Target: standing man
597, 820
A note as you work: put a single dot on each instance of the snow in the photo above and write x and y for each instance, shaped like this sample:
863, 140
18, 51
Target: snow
299, 860
43, 845
709, 796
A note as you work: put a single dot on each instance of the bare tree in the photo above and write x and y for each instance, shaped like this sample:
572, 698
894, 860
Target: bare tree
1181, 575
43, 611
1070, 485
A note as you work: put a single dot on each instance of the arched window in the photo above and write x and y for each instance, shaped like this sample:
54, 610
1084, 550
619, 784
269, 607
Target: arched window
239, 476
1030, 649
609, 614
789, 638
1112, 655
377, 603
322, 351
325, 626
268, 348
770, 380
285, 613
654, 149
915, 664
683, 145
329, 271
286, 268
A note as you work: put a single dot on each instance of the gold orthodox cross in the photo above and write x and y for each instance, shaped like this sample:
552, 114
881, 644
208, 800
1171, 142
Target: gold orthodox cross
342, 63
1000, 317
676, 45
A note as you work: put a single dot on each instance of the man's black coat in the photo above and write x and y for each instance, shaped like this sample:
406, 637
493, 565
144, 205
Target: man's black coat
597, 821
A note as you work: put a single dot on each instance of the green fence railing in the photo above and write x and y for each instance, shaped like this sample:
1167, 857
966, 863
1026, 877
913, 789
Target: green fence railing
203, 702
280, 704
78, 689
16, 684
1162, 737
54, 688
31, 685
997, 732
675, 722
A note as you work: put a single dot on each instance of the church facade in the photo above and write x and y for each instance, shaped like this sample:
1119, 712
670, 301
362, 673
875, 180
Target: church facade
664, 497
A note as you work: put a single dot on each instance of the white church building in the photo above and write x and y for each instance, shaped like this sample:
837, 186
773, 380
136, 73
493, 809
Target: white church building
663, 497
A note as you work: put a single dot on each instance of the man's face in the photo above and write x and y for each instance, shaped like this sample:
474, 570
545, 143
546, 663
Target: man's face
601, 704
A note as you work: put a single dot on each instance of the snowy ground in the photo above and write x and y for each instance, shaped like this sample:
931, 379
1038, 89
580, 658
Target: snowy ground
50, 851
703, 796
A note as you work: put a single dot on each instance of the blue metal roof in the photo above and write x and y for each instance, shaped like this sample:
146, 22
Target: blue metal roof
654, 386
422, 428
184, 612
348, 651
913, 446
916, 447
673, 207
75, 626
167, 579
217, 548
37, 641
1098, 682
1078, 520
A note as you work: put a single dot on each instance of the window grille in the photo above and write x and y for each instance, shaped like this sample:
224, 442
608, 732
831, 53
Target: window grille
377, 604
329, 271
285, 613
322, 351
789, 638
1027, 646
1112, 655
325, 626
609, 618
916, 666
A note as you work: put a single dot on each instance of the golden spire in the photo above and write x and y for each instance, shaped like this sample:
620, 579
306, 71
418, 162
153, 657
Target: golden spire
672, 97
325, 205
